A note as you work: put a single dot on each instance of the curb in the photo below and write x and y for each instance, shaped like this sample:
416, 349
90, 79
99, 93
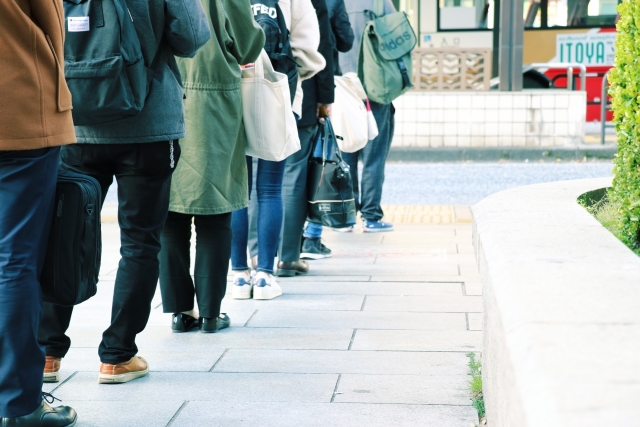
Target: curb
518, 154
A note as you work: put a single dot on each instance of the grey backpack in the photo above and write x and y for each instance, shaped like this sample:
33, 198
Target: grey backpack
104, 66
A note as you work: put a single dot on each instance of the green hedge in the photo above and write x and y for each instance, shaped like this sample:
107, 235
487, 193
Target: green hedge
625, 93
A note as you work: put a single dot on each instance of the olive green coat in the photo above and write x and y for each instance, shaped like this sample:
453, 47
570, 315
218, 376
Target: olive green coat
211, 176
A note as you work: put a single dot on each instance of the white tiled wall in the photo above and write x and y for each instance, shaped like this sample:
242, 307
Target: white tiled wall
538, 118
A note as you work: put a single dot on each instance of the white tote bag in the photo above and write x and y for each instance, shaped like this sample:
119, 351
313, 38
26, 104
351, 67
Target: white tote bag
271, 128
350, 121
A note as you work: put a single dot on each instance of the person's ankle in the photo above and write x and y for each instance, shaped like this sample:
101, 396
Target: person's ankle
193, 313
244, 274
263, 275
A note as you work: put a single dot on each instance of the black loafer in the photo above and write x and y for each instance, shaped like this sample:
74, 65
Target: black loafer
183, 323
209, 326
44, 416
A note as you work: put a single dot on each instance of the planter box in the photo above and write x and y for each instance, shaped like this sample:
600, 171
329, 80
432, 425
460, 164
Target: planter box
562, 311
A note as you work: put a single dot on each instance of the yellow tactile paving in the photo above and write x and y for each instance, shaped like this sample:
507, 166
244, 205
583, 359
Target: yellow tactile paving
426, 214
406, 214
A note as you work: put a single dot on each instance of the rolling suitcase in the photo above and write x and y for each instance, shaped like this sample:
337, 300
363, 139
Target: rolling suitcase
72, 263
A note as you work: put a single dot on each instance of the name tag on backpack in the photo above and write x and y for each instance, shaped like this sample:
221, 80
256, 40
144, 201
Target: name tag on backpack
78, 24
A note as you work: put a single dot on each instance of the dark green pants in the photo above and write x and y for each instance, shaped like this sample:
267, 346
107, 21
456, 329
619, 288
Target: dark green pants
213, 249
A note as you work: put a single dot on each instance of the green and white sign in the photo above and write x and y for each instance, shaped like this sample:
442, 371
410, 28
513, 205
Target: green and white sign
591, 48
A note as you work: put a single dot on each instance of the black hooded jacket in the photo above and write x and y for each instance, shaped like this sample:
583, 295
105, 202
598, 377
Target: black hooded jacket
321, 89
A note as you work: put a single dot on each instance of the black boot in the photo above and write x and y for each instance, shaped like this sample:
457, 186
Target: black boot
44, 416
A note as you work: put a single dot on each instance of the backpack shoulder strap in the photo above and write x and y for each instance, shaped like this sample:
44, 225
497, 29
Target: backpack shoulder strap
378, 7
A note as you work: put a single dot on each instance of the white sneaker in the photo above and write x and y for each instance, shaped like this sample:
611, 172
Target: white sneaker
242, 287
265, 287
344, 230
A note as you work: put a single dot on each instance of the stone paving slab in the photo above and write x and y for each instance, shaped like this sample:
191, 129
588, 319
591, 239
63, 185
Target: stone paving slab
475, 321
440, 269
473, 288
408, 389
448, 340
376, 335
359, 320
342, 362
162, 359
373, 288
239, 414
214, 387
429, 304
155, 413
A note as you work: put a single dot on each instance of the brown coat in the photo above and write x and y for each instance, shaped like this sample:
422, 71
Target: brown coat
35, 103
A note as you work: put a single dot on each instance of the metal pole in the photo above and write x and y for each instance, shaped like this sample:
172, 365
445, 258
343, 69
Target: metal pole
495, 69
570, 78
603, 107
511, 41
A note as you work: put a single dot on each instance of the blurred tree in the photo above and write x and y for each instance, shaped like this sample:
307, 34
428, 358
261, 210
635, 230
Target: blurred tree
625, 92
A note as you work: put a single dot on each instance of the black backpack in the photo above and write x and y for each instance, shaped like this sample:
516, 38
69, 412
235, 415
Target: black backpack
268, 15
104, 66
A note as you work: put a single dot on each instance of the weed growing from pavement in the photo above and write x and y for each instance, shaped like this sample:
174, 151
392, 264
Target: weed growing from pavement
475, 385
608, 212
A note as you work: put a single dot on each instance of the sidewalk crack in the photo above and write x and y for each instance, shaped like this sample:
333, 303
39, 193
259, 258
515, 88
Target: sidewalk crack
64, 382
177, 414
353, 337
364, 301
466, 316
335, 390
219, 359
249, 320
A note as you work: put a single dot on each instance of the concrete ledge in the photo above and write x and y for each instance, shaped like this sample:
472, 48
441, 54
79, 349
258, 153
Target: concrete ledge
591, 152
562, 305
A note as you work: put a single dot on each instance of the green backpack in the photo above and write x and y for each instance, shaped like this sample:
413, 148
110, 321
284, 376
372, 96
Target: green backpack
104, 65
384, 62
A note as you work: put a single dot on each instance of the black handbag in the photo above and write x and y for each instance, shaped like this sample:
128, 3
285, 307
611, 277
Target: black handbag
329, 187
72, 263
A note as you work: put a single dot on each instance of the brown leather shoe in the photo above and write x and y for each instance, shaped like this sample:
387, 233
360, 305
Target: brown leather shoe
290, 269
51, 370
123, 372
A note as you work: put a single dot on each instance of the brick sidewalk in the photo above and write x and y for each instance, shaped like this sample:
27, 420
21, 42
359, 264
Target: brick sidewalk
375, 336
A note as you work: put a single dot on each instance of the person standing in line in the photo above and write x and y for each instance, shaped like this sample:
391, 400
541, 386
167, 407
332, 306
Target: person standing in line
211, 180
341, 36
141, 152
318, 93
302, 23
35, 120
368, 190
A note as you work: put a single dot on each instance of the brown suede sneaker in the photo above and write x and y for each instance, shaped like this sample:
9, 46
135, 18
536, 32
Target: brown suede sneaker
51, 370
123, 372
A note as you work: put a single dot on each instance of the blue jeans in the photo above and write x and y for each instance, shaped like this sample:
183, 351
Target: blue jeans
368, 191
313, 230
269, 191
27, 193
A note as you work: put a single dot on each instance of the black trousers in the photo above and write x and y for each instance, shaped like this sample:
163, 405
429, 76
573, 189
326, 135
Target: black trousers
213, 249
143, 172
27, 193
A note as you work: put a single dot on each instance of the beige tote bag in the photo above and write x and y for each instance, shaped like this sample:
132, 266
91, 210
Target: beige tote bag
350, 119
271, 128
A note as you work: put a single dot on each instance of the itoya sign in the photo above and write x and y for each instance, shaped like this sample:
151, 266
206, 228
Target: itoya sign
592, 48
